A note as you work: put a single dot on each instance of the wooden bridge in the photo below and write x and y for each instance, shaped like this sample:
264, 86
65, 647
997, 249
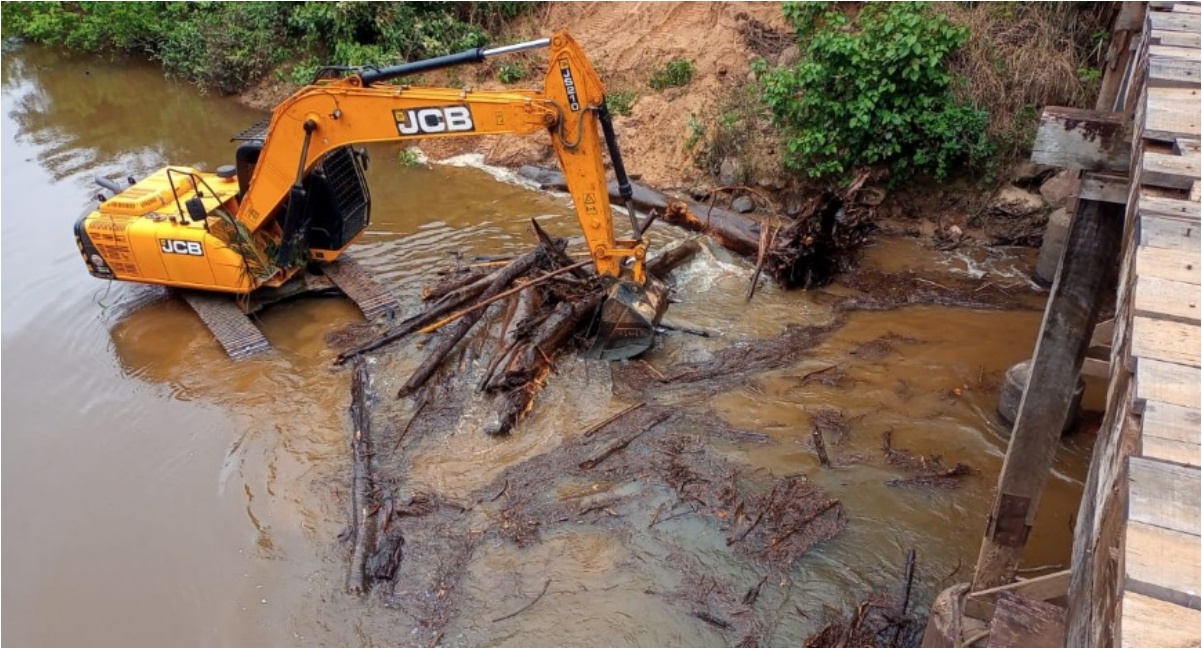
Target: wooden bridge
1134, 578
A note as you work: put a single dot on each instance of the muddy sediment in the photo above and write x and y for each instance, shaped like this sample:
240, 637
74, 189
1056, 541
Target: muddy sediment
652, 461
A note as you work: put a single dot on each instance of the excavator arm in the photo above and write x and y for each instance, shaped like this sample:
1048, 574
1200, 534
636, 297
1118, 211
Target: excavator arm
363, 108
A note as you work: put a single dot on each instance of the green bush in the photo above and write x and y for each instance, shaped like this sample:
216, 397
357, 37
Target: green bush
673, 74
226, 50
410, 158
511, 73
620, 102
873, 90
227, 46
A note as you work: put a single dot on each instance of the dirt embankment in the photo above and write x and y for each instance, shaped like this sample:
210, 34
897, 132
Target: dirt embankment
685, 138
626, 42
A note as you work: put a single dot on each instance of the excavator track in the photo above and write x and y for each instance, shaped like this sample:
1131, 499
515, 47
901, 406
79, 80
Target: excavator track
355, 282
232, 328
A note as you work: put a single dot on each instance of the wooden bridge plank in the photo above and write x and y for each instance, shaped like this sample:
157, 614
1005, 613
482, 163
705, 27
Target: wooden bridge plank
1024, 622
1170, 450
1169, 233
1163, 340
1169, 38
1168, 382
983, 603
1173, 422
1172, 113
1149, 622
1173, 207
1104, 187
1172, 265
1169, 170
1072, 138
1160, 559
1175, 22
1164, 494
1174, 52
1173, 72
1171, 433
1166, 299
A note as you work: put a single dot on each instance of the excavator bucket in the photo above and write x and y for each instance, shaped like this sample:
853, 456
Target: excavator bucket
628, 318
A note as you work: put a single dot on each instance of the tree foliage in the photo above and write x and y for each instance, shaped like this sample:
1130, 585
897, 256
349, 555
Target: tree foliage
226, 46
873, 90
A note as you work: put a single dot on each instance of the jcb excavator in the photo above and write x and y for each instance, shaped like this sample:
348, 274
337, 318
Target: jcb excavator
296, 197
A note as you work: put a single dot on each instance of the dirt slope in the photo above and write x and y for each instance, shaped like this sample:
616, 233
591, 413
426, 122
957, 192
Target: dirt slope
626, 42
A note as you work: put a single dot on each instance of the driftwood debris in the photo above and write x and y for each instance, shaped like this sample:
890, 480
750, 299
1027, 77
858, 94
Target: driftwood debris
447, 304
806, 252
501, 280
879, 620
820, 446
453, 281
547, 298
361, 489
929, 471
521, 384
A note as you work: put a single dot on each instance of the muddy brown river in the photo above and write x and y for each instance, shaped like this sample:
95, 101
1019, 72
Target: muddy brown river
156, 494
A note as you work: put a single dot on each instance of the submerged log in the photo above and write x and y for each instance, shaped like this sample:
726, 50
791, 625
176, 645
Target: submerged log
447, 304
672, 258
361, 506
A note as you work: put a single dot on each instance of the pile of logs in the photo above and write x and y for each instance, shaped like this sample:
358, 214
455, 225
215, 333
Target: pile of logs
549, 299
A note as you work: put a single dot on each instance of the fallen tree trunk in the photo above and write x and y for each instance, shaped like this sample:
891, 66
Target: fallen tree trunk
535, 362
806, 252
500, 281
357, 580
737, 232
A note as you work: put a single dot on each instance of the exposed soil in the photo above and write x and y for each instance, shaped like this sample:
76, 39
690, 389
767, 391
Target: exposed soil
625, 42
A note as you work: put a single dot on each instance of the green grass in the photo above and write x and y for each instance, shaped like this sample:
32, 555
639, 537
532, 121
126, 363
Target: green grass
621, 102
673, 74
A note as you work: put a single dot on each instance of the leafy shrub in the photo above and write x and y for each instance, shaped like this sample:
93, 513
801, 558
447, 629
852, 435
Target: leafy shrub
673, 74
410, 158
873, 90
228, 45
620, 102
511, 73
226, 50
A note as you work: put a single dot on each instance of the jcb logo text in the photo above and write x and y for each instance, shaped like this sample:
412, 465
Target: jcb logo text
439, 119
177, 247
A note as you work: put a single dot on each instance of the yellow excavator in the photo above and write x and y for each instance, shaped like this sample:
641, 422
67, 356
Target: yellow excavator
278, 221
